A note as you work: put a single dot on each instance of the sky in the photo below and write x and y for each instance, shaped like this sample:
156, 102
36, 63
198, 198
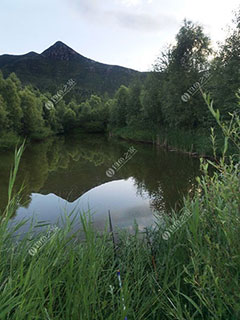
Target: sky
129, 33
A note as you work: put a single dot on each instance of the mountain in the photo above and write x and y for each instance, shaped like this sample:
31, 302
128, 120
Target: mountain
50, 70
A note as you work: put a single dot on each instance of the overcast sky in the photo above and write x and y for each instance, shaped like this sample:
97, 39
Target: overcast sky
130, 33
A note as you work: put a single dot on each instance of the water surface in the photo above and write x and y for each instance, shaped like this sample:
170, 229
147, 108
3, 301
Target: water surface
63, 174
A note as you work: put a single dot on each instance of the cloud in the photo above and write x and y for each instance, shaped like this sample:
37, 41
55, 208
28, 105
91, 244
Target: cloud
129, 3
143, 22
122, 14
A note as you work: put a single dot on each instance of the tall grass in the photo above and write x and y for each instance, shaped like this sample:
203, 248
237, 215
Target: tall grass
195, 274
197, 141
187, 141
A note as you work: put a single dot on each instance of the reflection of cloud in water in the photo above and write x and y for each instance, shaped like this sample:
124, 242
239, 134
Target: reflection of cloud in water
125, 219
120, 197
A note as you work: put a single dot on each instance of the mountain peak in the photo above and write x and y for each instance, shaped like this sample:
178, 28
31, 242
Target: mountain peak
60, 51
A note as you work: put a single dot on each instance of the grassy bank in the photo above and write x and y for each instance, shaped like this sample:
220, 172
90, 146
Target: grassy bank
197, 143
9, 140
188, 268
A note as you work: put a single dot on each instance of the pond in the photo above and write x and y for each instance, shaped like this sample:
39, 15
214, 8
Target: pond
94, 173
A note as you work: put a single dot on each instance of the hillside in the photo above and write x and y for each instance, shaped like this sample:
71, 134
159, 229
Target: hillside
59, 63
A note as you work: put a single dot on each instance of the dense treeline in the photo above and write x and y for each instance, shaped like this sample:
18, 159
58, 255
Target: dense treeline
169, 108
169, 99
182, 68
23, 112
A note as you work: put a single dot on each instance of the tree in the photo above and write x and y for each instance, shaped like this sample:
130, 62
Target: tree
226, 71
15, 80
85, 114
151, 101
192, 49
182, 66
121, 106
3, 115
69, 119
32, 115
8, 90
95, 102
134, 104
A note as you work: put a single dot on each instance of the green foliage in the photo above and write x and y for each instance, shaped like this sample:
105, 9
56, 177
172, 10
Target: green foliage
134, 108
23, 112
9, 140
158, 103
225, 69
3, 115
69, 119
32, 114
186, 63
140, 135
94, 114
230, 129
9, 93
192, 48
151, 100
120, 107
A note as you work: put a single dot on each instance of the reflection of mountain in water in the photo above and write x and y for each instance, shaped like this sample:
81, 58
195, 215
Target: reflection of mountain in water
71, 166
117, 196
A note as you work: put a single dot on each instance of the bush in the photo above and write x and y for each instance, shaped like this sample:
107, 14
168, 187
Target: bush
9, 140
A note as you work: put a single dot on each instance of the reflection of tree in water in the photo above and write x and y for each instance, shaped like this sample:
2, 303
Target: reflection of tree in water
33, 172
71, 166
92, 156
165, 179
156, 198
157, 202
41, 159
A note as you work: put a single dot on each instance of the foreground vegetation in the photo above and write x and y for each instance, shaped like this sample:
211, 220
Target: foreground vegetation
191, 274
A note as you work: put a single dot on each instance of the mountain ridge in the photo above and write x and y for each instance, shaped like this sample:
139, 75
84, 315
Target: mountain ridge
59, 63
60, 50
